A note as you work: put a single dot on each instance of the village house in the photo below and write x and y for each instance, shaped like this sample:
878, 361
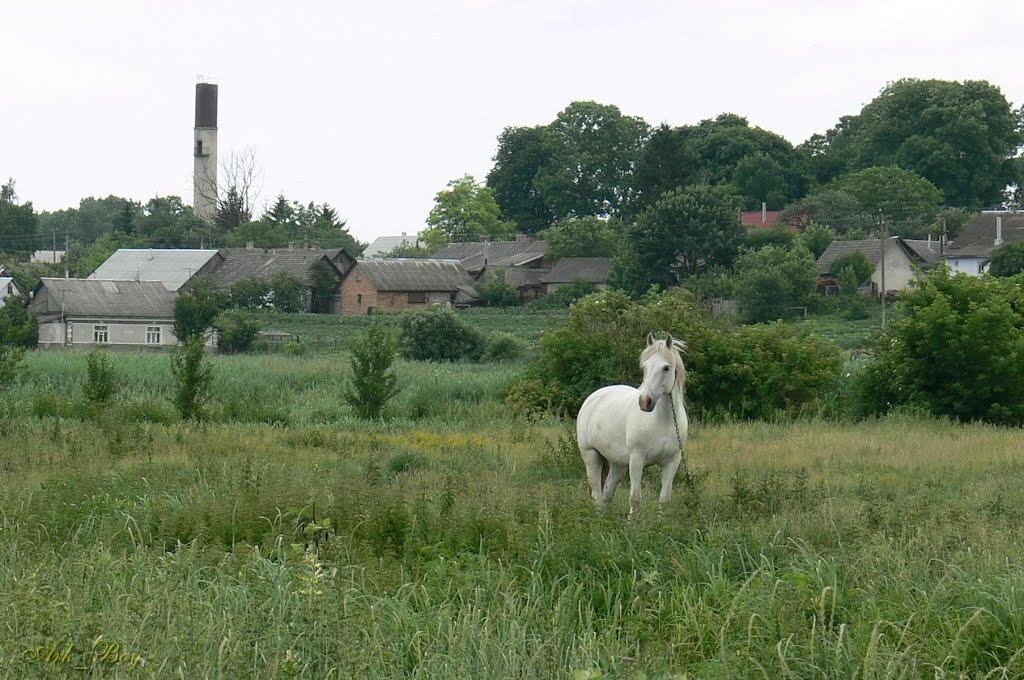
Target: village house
593, 270
115, 314
396, 284
900, 262
263, 264
8, 288
47, 257
173, 267
971, 251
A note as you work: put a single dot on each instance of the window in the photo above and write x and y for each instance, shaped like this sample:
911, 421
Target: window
100, 335
199, 147
417, 298
152, 335
359, 298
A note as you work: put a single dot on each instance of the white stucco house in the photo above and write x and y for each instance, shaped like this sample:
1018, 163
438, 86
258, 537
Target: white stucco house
971, 251
115, 314
901, 260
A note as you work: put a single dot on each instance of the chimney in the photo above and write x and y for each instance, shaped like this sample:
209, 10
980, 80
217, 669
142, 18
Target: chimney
523, 238
291, 246
764, 212
999, 230
250, 245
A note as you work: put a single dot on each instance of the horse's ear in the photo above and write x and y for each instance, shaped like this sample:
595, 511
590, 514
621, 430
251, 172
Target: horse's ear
669, 341
650, 339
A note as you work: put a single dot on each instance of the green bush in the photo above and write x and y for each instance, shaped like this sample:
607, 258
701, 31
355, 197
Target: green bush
438, 334
860, 270
101, 381
251, 293
955, 349
771, 281
192, 378
1008, 260
17, 328
373, 380
497, 293
502, 347
236, 333
10, 364
288, 293
565, 295
195, 310
747, 372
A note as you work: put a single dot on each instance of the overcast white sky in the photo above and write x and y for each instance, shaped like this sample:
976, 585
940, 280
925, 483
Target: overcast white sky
374, 106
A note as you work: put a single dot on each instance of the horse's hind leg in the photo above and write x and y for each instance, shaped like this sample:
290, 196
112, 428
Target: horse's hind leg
614, 477
596, 464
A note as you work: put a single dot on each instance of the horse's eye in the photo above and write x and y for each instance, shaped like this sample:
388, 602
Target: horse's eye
664, 368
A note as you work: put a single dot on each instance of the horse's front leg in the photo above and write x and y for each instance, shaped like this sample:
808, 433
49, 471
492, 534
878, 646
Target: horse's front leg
636, 476
668, 474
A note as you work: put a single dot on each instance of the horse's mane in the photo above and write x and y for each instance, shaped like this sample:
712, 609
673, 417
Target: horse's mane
672, 355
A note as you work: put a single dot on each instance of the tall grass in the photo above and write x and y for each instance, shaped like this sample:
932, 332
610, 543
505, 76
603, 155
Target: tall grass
456, 541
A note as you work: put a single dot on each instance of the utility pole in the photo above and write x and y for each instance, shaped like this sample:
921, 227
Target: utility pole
53, 247
881, 260
67, 254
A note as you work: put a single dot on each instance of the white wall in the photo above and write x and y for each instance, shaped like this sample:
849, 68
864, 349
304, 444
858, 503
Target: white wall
120, 333
898, 270
966, 265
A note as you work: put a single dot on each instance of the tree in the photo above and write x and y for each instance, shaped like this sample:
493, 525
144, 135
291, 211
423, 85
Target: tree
816, 238
522, 153
166, 222
773, 280
836, 210
323, 283
495, 292
961, 136
584, 237
236, 333
195, 310
595, 151
373, 381
124, 220
408, 250
17, 327
464, 211
858, 264
239, 186
909, 200
251, 293
18, 222
288, 293
761, 165
686, 231
1008, 260
192, 377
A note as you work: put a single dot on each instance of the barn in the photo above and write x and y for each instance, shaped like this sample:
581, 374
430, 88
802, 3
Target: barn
396, 284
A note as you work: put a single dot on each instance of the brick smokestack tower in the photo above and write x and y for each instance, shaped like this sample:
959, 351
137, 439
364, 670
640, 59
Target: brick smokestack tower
204, 151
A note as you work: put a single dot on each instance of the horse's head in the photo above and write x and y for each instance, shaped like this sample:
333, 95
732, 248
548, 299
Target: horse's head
663, 370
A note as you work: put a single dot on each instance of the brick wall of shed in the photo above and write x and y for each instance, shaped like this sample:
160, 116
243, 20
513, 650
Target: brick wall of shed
357, 293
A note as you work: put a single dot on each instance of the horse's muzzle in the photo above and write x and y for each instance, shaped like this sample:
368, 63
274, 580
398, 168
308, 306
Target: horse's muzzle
646, 404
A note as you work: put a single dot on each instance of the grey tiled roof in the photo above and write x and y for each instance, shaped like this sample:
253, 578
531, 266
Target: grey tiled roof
495, 253
517, 277
590, 269
172, 267
382, 245
926, 250
264, 263
872, 249
979, 235
102, 299
413, 274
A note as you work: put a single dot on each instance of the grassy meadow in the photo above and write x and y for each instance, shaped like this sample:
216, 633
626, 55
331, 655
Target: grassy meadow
283, 538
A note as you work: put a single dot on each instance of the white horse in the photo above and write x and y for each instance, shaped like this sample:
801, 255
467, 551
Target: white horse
621, 426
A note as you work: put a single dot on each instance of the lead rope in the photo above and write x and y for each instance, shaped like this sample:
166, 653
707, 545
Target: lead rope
682, 454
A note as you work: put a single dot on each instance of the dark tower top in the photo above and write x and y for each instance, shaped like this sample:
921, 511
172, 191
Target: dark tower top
206, 105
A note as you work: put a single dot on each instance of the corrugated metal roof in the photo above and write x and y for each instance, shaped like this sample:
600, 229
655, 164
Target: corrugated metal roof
925, 249
495, 253
590, 269
382, 245
172, 267
102, 298
261, 263
413, 274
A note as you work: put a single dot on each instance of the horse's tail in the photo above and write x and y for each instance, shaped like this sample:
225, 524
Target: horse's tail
605, 467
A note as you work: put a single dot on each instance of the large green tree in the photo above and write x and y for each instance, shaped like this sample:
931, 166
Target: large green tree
522, 153
685, 232
18, 222
909, 200
584, 237
595, 151
465, 211
831, 208
963, 137
761, 165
